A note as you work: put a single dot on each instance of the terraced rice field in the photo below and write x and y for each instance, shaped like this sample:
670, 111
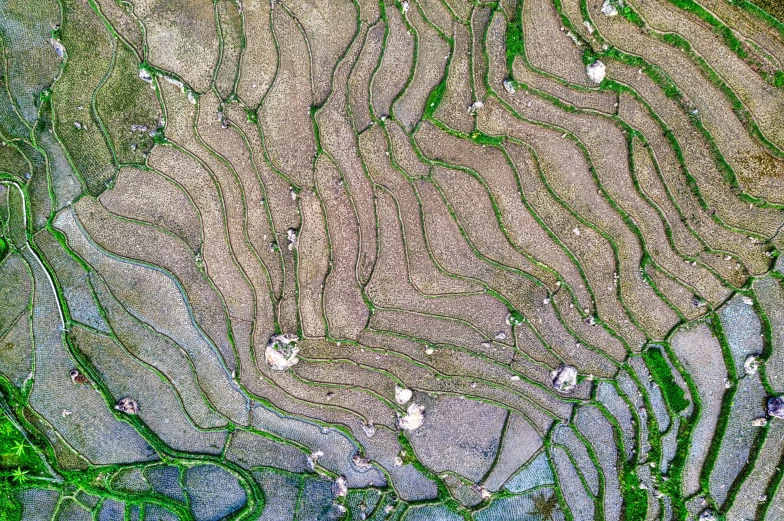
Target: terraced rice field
418, 260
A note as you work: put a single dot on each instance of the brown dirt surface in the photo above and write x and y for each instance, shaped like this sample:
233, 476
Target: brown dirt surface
313, 252
548, 47
231, 32
432, 55
453, 109
345, 310
259, 60
146, 196
182, 38
285, 114
362, 75
394, 260
397, 59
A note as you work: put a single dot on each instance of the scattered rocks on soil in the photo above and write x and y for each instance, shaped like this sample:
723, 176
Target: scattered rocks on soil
402, 395
596, 72
776, 407
281, 352
414, 418
127, 405
139, 128
564, 378
292, 235
340, 487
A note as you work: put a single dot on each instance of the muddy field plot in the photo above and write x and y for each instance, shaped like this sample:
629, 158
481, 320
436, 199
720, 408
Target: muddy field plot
405, 260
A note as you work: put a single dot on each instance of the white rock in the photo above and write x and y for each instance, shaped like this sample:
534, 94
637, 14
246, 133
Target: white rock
776, 407
281, 352
413, 419
751, 364
596, 72
292, 235
588, 26
313, 458
402, 395
59, 48
748, 301
475, 106
500, 335
398, 461
509, 86
405, 6
146, 76
608, 9
369, 429
759, 422
127, 405
564, 378
340, 487
360, 461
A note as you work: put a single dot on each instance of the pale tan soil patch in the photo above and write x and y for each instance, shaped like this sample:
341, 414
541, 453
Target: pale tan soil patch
479, 22
519, 291
361, 76
423, 274
396, 60
330, 26
313, 255
432, 54
231, 28
390, 286
147, 196
547, 47
458, 96
259, 60
285, 114
345, 310
339, 140
182, 38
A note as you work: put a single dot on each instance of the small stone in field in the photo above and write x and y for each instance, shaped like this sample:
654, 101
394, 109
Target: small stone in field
564, 378
596, 72
340, 487
127, 405
776, 407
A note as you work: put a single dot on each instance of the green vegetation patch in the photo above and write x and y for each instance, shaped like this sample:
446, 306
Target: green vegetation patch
128, 108
662, 374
